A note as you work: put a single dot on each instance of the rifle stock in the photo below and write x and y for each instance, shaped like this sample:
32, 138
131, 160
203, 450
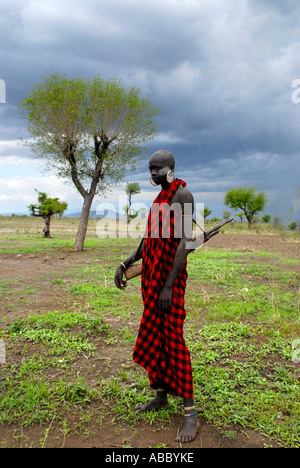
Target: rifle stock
133, 270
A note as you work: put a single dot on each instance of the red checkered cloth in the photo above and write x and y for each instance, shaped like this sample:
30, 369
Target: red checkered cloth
160, 346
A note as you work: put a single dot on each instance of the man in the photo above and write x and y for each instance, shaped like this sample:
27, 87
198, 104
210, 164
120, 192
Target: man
160, 346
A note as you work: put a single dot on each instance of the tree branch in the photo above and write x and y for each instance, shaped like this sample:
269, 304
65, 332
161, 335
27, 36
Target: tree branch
69, 154
101, 147
33, 208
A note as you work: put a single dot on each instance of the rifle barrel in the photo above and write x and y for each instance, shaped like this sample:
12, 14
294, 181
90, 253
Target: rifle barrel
205, 236
218, 226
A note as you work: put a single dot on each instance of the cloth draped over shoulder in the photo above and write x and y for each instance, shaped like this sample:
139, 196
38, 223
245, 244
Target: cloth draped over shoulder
160, 346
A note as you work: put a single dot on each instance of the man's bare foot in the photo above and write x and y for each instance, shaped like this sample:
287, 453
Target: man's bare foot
189, 429
159, 402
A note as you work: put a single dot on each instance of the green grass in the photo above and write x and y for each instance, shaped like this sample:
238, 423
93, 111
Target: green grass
37, 244
27, 394
242, 380
242, 321
245, 288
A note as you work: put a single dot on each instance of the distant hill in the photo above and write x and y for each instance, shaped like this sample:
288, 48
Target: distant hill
16, 214
73, 215
94, 215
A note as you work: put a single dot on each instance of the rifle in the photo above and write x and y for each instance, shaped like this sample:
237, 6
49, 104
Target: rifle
206, 236
135, 270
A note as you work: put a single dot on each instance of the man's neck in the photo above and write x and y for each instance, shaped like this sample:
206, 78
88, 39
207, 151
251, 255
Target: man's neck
165, 185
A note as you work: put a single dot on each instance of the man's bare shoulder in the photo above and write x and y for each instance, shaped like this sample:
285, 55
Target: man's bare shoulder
183, 195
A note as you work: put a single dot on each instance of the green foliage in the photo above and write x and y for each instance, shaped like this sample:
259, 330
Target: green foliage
239, 381
91, 132
205, 213
292, 226
132, 188
53, 330
246, 199
88, 130
27, 394
266, 218
47, 206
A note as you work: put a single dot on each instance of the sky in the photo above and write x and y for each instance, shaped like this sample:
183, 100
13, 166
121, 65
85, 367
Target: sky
222, 72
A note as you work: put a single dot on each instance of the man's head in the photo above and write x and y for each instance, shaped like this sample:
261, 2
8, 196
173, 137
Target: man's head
163, 156
160, 163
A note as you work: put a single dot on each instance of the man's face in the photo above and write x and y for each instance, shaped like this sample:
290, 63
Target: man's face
158, 169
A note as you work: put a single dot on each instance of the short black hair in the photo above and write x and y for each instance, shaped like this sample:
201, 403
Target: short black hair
165, 155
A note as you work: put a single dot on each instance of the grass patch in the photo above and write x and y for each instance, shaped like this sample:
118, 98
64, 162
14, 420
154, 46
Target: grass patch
54, 330
243, 380
244, 289
27, 394
242, 321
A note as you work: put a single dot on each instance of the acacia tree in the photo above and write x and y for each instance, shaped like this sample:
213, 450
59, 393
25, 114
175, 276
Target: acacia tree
245, 199
90, 132
46, 208
204, 213
132, 188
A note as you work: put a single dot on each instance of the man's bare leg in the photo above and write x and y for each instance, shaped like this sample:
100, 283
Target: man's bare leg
159, 402
190, 426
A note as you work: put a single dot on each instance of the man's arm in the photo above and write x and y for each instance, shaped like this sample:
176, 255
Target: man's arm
137, 255
186, 200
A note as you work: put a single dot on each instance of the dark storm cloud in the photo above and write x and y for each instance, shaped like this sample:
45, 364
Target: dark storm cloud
220, 71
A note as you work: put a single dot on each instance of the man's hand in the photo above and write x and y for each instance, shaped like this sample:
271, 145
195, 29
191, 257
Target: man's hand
165, 297
119, 279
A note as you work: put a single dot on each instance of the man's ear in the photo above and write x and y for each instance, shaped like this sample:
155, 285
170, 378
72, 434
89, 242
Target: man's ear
172, 167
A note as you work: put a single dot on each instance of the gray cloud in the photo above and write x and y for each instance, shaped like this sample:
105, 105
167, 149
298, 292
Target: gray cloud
221, 72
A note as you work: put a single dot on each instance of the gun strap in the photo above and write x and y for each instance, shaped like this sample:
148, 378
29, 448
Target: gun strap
199, 226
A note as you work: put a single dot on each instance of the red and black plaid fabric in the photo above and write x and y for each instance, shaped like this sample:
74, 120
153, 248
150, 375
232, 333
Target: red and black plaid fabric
160, 346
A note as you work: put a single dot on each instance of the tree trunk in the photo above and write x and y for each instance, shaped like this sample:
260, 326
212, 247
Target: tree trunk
83, 224
128, 214
250, 221
248, 216
46, 229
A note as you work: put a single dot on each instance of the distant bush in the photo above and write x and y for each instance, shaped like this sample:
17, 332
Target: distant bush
266, 218
292, 226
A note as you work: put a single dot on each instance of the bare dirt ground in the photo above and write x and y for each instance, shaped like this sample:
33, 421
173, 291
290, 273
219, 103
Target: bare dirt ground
20, 266
26, 270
